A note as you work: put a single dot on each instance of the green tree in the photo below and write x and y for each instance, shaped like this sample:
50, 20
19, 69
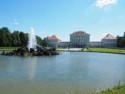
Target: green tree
39, 40
16, 39
121, 41
124, 35
23, 38
45, 42
5, 37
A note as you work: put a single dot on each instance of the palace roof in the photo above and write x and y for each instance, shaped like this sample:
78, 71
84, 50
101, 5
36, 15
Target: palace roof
109, 36
53, 37
79, 33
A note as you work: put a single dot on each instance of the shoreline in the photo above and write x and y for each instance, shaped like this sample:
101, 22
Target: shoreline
8, 48
107, 52
98, 50
94, 50
117, 89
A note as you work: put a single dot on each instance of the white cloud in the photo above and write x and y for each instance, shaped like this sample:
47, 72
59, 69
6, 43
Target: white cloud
104, 3
15, 22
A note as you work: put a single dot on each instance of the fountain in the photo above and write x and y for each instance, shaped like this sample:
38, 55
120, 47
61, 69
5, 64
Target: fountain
32, 39
33, 49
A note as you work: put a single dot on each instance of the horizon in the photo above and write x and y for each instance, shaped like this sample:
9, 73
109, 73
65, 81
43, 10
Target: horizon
61, 18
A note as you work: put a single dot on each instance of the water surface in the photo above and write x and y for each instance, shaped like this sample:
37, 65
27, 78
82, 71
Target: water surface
60, 74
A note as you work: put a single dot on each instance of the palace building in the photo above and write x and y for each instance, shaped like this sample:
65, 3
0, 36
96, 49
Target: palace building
81, 39
53, 41
109, 41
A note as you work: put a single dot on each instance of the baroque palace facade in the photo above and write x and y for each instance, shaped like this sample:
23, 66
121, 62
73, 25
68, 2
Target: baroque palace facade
81, 39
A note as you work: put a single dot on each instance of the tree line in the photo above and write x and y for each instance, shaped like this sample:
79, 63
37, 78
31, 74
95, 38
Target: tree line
17, 38
121, 41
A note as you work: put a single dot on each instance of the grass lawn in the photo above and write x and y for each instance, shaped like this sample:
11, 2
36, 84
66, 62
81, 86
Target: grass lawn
8, 48
107, 50
120, 89
62, 49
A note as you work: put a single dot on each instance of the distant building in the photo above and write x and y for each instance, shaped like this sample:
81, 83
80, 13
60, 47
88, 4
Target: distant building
64, 44
109, 41
95, 44
79, 39
53, 41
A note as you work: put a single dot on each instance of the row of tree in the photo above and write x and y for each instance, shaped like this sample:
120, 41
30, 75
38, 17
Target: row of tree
121, 41
17, 38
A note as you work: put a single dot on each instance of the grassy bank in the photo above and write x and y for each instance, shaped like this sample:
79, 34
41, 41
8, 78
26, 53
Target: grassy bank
62, 49
119, 89
8, 48
101, 50
107, 50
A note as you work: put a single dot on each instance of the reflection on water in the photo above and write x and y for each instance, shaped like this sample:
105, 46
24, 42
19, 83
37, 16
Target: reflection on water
58, 74
31, 67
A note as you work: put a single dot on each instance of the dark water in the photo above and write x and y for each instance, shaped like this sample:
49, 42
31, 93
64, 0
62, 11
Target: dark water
60, 74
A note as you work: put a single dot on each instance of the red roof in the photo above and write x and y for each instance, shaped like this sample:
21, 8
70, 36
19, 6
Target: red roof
109, 36
78, 33
53, 37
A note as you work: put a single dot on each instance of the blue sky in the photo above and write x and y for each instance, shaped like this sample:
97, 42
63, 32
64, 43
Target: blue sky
63, 17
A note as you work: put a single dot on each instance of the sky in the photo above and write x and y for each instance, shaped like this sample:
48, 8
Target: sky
63, 17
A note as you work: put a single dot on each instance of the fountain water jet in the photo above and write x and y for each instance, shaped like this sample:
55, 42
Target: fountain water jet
32, 39
33, 48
